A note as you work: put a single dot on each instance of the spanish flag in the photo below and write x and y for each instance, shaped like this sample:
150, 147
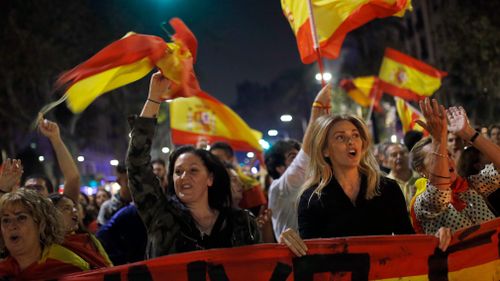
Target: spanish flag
333, 20
205, 116
129, 59
409, 116
363, 90
406, 77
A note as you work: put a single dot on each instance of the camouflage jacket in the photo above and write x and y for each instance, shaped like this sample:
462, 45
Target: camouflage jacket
171, 229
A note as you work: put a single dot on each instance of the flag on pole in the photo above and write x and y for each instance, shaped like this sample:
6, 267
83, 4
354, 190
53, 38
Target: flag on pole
409, 116
406, 77
333, 20
205, 116
129, 59
363, 90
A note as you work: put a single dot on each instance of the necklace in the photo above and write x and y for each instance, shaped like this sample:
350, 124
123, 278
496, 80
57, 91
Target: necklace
206, 228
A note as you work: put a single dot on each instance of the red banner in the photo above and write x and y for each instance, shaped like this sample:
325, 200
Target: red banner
472, 255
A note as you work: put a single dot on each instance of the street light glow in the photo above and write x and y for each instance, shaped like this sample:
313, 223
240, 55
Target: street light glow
272, 133
113, 162
250, 154
394, 138
254, 170
327, 76
165, 149
286, 118
265, 145
41, 158
80, 158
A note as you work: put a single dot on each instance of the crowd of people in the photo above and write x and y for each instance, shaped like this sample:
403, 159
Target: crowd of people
335, 183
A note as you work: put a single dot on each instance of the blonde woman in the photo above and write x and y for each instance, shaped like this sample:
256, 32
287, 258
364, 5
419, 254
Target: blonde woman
345, 194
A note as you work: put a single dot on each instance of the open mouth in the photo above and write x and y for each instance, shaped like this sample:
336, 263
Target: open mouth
14, 238
352, 152
451, 170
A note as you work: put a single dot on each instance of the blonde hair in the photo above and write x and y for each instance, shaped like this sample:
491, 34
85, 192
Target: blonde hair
320, 172
46, 216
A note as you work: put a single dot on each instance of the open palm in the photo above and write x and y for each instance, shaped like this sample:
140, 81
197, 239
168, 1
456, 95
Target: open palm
457, 120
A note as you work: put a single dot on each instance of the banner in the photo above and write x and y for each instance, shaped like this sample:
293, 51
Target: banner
472, 255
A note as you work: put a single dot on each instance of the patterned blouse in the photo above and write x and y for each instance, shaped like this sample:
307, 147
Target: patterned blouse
434, 208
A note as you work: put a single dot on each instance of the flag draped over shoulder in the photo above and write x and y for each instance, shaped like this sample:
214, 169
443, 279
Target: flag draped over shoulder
205, 116
363, 90
409, 116
406, 77
334, 19
129, 59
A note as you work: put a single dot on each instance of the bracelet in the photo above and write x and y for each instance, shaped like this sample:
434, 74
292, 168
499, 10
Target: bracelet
318, 104
440, 155
474, 137
438, 176
153, 101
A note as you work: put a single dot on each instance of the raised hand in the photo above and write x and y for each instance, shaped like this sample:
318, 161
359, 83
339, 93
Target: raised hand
459, 123
264, 217
48, 128
11, 173
292, 239
159, 88
435, 117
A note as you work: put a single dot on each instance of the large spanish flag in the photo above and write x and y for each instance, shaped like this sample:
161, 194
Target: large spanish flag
205, 116
406, 77
409, 116
129, 59
333, 20
363, 90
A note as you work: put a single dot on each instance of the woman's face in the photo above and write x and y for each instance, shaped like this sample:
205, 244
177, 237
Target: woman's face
19, 230
429, 157
100, 197
191, 179
70, 214
344, 145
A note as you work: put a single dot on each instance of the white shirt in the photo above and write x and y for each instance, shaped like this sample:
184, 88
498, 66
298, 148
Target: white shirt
283, 194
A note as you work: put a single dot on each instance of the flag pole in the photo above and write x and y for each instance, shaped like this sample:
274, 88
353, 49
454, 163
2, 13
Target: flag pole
315, 41
374, 93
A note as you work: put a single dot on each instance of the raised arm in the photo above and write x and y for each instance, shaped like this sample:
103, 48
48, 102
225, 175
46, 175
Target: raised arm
459, 125
436, 125
10, 175
320, 107
64, 159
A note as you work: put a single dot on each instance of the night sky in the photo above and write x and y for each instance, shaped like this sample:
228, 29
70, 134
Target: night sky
238, 40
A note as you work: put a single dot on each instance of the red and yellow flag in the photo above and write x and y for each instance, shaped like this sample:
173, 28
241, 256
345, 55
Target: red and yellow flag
205, 116
406, 77
129, 59
334, 19
409, 116
363, 90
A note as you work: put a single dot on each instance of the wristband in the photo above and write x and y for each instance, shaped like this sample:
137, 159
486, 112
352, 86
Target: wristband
318, 104
474, 137
440, 155
153, 101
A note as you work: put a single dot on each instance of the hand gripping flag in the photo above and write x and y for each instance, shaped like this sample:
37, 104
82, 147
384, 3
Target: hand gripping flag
363, 90
333, 20
406, 77
129, 59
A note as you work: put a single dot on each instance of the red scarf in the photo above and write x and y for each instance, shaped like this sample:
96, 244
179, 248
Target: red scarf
460, 185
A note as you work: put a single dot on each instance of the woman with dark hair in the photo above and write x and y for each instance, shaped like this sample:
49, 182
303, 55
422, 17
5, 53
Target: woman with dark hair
77, 238
196, 213
31, 232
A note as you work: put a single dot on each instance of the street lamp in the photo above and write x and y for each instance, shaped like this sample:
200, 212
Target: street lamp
327, 76
286, 118
272, 133
80, 158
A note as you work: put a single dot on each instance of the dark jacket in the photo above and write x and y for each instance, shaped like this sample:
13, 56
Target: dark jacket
170, 226
334, 215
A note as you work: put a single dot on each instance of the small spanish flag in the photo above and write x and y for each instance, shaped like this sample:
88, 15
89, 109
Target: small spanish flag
333, 20
363, 90
409, 116
406, 77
